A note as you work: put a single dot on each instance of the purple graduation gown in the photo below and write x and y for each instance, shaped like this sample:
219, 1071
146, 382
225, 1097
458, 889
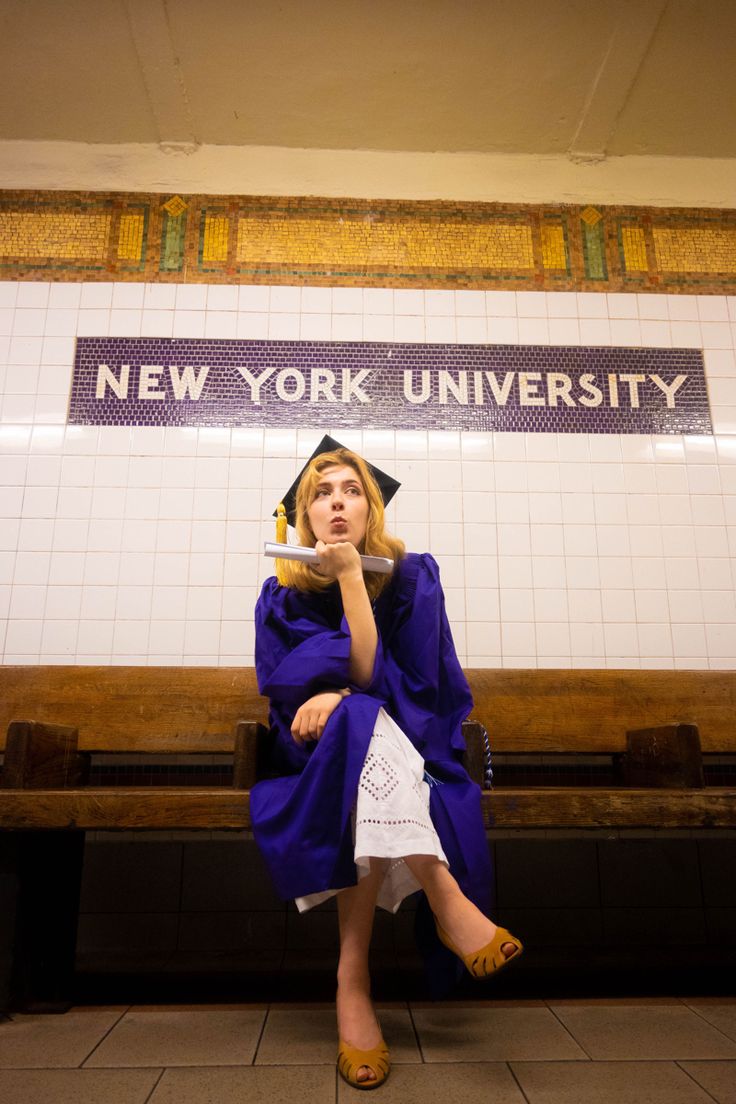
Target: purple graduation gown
301, 818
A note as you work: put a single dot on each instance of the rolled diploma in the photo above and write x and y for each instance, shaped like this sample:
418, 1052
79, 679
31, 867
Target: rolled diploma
380, 564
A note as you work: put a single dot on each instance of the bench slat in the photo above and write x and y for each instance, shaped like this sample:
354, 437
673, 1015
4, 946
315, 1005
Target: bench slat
170, 808
186, 709
591, 710
585, 807
135, 709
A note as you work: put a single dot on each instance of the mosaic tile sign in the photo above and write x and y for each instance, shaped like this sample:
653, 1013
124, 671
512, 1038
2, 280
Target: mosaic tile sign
531, 388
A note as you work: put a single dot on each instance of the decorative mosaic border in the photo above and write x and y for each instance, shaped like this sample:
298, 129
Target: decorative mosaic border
364, 243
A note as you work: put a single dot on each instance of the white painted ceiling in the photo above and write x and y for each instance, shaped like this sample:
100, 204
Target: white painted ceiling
587, 78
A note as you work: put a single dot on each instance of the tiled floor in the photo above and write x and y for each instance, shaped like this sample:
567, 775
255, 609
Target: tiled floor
622, 1051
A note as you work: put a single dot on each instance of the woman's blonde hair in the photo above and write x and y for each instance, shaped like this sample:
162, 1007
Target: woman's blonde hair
377, 541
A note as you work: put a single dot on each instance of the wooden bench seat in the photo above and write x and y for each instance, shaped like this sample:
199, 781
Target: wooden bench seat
169, 808
128, 711
651, 726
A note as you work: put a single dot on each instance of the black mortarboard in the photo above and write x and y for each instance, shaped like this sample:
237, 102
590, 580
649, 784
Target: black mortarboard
387, 484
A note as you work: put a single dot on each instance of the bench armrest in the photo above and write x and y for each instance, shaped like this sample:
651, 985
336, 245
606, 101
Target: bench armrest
668, 757
249, 757
43, 756
474, 754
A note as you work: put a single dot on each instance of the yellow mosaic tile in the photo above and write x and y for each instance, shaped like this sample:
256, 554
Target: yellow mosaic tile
554, 254
591, 216
420, 243
635, 249
695, 250
216, 232
57, 236
130, 238
365, 243
175, 206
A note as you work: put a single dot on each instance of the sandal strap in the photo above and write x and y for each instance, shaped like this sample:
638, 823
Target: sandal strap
478, 962
492, 955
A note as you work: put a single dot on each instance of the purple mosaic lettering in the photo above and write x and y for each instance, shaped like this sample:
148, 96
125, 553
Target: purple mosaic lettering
532, 388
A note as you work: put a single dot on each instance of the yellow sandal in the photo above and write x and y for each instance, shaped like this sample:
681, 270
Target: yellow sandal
350, 1059
489, 959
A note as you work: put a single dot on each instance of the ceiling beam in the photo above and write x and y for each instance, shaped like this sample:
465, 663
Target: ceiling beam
652, 181
162, 74
627, 48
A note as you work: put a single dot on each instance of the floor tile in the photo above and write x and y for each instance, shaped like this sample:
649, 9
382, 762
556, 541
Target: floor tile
237, 1006
77, 1086
492, 1035
622, 1030
471, 1083
454, 1005
195, 1038
251, 1085
606, 1002
718, 1078
720, 1014
309, 1037
607, 1083
53, 1042
305, 1037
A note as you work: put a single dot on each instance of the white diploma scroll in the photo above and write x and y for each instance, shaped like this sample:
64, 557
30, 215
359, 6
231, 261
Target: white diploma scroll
380, 564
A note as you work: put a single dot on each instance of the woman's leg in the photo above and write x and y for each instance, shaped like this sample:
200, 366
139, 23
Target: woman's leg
468, 928
356, 1017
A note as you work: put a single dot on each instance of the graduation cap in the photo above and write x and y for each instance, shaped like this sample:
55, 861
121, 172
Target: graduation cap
388, 486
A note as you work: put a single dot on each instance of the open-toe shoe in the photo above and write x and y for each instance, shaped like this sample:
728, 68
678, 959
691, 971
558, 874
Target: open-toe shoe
350, 1059
489, 959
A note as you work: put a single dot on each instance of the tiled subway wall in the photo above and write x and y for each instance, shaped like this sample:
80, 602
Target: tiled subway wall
141, 545
208, 902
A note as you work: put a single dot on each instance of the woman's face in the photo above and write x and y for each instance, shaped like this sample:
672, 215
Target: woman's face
339, 510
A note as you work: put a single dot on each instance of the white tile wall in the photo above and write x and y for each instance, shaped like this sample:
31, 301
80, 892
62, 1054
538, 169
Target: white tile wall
141, 545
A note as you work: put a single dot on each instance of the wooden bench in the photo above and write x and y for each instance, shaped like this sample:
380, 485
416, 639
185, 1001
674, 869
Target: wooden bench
648, 728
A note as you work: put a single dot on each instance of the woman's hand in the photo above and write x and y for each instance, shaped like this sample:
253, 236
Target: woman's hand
339, 560
311, 717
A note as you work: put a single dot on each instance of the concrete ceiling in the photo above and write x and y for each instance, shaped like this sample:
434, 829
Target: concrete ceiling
586, 78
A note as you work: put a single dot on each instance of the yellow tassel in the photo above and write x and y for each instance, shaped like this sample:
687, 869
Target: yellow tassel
281, 524
281, 538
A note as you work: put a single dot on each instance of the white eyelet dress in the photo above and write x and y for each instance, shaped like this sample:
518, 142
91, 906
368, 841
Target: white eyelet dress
391, 816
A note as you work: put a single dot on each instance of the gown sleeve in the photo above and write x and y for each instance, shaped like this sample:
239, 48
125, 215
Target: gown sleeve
422, 674
298, 653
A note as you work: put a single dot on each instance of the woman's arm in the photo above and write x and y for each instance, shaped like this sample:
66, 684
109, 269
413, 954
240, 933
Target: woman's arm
298, 653
422, 673
342, 562
312, 716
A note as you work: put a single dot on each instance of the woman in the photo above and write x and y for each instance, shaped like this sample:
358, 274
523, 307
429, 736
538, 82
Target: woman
366, 693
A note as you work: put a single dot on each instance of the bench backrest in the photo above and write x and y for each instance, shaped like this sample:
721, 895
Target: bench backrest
592, 710
187, 709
